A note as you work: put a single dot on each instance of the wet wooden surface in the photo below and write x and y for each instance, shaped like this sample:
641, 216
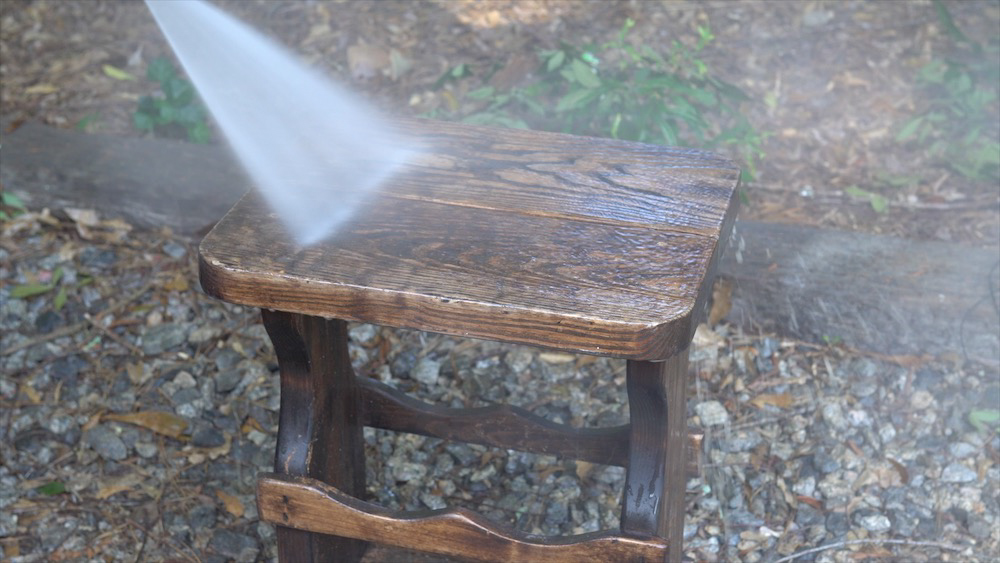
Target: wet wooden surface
581, 244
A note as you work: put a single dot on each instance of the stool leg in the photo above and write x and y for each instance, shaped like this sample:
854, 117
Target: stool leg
319, 426
654, 485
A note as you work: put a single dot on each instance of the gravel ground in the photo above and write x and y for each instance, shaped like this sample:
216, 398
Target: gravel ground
136, 413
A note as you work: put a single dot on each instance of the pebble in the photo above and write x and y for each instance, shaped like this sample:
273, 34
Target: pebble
363, 333
958, 473
207, 437
712, 413
163, 337
426, 371
227, 380
106, 443
203, 334
876, 523
240, 547
833, 415
174, 250
962, 450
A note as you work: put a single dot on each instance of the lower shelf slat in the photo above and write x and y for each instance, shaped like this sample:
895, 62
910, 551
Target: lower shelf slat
308, 504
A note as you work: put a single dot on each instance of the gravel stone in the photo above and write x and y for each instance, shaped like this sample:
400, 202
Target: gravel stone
958, 473
160, 338
962, 450
712, 413
427, 371
876, 523
103, 439
240, 547
833, 415
174, 250
227, 380
207, 437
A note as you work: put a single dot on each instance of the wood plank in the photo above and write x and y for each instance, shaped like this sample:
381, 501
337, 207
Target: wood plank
319, 433
313, 505
503, 426
654, 484
579, 286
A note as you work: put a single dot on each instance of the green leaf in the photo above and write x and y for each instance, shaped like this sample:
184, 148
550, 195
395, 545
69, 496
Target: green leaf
200, 133
52, 488
160, 70
555, 61
459, 71
584, 74
574, 100
116, 73
982, 419
910, 128
30, 290
484, 93
143, 121
12, 200
86, 121
60, 299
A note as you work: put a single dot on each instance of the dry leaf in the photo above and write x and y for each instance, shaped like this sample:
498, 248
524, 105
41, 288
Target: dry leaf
904, 475
780, 400
815, 503
85, 217
33, 396
722, 301
556, 358
41, 89
232, 504
115, 486
177, 283
367, 61
583, 469
165, 423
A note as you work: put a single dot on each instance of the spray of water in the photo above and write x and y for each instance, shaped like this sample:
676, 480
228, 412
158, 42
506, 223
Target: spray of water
314, 150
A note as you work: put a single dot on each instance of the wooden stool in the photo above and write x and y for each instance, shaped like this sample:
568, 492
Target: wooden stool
578, 244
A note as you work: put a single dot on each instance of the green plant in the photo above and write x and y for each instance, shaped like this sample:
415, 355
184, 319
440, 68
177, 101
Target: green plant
178, 107
10, 205
626, 92
958, 124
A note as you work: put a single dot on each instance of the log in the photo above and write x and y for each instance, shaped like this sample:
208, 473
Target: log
875, 293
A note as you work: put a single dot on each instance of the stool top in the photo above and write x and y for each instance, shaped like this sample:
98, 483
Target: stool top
576, 243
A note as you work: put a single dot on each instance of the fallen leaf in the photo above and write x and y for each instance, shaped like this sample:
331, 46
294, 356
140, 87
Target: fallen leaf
116, 73
231, 503
28, 391
583, 469
119, 485
41, 89
722, 301
177, 283
367, 61
165, 423
556, 358
815, 503
904, 475
398, 64
780, 400
86, 217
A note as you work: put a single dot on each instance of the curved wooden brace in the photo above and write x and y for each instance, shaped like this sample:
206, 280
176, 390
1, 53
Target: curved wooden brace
500, 426
308, 504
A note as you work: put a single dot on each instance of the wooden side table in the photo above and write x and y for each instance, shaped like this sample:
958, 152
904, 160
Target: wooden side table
578, 244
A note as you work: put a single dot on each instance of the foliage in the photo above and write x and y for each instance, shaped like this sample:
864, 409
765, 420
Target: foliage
10, 205
177, 107
627, 92
958, 125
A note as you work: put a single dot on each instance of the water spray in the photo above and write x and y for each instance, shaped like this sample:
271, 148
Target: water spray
314, 150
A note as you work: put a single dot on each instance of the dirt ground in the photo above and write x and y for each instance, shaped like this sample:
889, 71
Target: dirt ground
839, 77
812, 452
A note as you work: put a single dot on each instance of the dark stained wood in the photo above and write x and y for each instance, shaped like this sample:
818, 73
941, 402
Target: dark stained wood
502, 426
319, 433
654, 484
321, 508
580, 244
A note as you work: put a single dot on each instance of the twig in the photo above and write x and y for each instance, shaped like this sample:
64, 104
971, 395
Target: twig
838, 545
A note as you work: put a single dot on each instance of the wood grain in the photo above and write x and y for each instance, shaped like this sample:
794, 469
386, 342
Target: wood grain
319, 434
654, 483
320, 508
604, 248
